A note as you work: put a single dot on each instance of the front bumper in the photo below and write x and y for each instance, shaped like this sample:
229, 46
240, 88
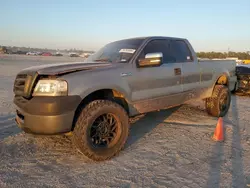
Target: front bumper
46, 115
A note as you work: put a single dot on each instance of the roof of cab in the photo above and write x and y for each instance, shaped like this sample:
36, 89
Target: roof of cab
151, 37
159, 37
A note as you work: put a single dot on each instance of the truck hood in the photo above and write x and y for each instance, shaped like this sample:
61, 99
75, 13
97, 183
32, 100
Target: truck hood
63, 68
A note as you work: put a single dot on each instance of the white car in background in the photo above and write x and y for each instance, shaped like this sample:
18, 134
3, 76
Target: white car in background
32, 53
73, 54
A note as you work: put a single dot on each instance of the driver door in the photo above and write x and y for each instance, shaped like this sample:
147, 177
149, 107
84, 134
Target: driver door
155, 87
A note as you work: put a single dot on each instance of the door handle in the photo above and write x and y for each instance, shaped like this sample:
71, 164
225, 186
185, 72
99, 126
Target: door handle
177, 71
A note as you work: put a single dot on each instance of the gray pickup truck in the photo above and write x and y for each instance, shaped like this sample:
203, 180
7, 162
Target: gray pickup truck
94, 99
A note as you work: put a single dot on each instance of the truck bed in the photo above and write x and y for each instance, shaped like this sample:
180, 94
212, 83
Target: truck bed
228, 67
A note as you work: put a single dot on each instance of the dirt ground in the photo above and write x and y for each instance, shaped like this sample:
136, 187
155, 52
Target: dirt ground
169, 148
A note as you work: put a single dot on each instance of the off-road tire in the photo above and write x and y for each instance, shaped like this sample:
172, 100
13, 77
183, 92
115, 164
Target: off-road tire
89, 113
212, 104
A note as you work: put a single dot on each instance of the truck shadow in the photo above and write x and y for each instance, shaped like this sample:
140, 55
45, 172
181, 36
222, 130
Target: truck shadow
8, 126
237, 163
217, 158
216, 161
144, 124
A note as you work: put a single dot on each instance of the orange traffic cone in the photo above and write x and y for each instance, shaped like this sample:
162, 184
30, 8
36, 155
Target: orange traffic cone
218, 132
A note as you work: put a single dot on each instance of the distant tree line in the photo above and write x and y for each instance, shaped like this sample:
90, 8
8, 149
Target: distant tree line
211, 55
29, 49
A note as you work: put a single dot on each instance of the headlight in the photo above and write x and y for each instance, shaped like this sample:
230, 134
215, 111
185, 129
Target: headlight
51, 88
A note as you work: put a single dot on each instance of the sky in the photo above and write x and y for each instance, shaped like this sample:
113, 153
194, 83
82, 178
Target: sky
213, 25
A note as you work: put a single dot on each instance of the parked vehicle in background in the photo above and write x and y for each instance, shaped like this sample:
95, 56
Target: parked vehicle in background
9, 51
246, 61
85, 55
46, 54
20, 52
243, 77
31, 53
58, 54
93, 100
73, 55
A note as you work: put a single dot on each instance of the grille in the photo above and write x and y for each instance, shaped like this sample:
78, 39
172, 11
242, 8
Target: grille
20, 101
19, 84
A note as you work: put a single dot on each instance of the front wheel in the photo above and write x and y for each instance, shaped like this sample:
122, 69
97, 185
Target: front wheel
101, 130
218, 105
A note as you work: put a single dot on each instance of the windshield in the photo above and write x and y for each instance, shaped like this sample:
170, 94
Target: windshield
115, 52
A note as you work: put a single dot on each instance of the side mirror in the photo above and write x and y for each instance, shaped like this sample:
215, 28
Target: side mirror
151, 60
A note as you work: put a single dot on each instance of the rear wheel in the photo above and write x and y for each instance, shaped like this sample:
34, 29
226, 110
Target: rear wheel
218, 105
101, 130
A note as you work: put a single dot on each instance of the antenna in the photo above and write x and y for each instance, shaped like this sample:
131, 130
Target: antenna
228, 49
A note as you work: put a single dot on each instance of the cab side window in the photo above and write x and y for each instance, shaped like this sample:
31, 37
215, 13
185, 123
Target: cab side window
181, 51
162, 46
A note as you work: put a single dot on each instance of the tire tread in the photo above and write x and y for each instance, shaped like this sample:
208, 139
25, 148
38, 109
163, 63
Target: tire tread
82, 122
212, 102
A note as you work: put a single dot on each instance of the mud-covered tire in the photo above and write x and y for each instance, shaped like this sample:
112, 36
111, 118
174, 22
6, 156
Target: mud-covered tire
217, 105
81, 134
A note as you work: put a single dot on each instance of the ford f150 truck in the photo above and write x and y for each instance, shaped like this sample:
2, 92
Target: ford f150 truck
94, 99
